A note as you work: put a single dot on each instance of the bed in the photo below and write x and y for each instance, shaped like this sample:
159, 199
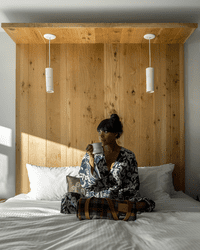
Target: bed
28, 221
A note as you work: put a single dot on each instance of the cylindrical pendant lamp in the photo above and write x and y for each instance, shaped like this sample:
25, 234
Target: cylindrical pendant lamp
149, 80
149, 70
49, 80
49, 71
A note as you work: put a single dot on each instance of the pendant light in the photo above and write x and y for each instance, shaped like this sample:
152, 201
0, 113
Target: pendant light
149, 70
49, 71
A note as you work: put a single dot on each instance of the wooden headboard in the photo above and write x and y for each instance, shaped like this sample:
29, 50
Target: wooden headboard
99, 69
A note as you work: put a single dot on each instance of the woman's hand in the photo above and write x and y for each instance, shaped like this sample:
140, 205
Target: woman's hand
89, 149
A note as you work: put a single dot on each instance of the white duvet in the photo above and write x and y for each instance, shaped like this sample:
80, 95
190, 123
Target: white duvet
30, 224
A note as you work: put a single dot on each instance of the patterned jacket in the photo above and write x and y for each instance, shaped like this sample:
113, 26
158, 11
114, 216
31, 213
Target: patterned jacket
121, 182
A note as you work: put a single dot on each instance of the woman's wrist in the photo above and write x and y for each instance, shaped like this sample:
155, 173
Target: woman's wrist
90, 154
91, 161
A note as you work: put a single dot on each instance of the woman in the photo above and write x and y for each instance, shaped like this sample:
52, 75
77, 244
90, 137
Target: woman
113, 174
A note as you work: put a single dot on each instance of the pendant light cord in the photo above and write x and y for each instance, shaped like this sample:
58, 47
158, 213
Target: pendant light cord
149, 54
49, 52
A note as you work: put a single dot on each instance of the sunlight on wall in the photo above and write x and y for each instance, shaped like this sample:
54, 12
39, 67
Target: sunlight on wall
3, 173
39, 151
6, 136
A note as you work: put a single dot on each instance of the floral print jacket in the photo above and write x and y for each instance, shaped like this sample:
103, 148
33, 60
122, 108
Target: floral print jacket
121, 182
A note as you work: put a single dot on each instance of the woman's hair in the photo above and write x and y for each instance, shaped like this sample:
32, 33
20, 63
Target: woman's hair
112, 125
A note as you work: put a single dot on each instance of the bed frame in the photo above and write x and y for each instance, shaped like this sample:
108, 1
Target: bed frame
99, 69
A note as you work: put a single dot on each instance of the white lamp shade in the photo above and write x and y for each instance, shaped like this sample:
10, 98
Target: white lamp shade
49, 80
150, 80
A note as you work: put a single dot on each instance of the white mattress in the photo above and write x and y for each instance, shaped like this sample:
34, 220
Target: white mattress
30, 224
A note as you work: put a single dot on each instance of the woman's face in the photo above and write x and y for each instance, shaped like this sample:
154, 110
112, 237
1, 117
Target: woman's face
107, 137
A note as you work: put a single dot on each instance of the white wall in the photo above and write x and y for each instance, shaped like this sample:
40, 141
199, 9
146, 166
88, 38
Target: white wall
7, 116
192, 114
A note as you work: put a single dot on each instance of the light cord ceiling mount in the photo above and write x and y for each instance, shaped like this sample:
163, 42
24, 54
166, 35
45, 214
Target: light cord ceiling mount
149, 70
49, 71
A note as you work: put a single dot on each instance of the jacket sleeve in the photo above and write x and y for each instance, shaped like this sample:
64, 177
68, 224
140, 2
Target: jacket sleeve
130, 190
128, 178
86, 177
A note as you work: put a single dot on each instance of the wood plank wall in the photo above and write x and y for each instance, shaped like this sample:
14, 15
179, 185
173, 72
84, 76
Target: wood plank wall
91, 81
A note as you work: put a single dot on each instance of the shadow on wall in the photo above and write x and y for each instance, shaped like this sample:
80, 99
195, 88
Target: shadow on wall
5, 145
4, 163
192, 118
80, 15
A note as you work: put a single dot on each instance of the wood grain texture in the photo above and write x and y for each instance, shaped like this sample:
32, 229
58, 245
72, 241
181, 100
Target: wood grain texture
81, 33
163, 102
64, 99
53, 111
157, 106
22, 118
181, 164
98, 25
132, 97
92, 81
37, 148
113, 83
146, 112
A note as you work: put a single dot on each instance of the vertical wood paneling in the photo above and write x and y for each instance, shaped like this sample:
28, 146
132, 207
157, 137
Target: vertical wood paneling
73, 102
163, 109
37, 105
64, 99
168, 105
175, 114
146, 111
175, 100
181, 165
157, 105
92, 81
113, 85
22, 114
79, 85
53, 120
173, 63
132, 100
90, 93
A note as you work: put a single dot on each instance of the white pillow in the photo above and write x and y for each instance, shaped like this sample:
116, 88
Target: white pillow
156, 182
49, 183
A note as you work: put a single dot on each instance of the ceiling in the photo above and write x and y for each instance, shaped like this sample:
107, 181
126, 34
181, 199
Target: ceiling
98, 11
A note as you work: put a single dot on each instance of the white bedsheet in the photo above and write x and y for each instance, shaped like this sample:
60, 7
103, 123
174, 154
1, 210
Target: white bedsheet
30, 224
